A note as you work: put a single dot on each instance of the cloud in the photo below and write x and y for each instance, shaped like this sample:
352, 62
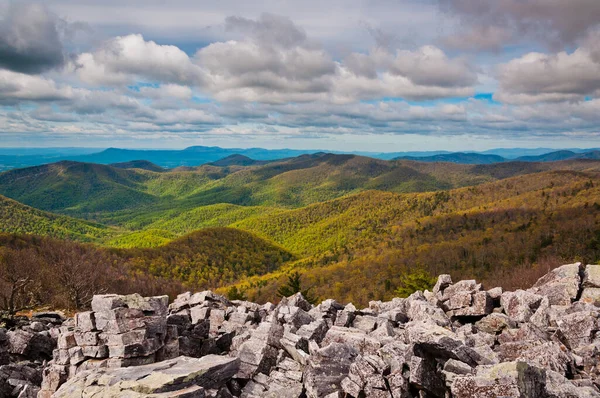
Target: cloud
268, 28
19, 87
277, 63
126, 58
30, 41
167, 91
537, 77
493, 24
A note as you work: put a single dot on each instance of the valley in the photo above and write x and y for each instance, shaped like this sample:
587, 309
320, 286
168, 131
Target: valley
364, 223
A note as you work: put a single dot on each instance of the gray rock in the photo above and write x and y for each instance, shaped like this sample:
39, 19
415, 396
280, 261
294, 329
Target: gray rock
175, 377
327, 368
509, 379
520, 305
560, 285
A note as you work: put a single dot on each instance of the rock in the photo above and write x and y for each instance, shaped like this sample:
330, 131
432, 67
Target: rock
560, 285
509, 379
520, 305
327, 368
435, 341
85, 321
442, 283
494, 323
355, 338
365, 323
578, 328
182, 376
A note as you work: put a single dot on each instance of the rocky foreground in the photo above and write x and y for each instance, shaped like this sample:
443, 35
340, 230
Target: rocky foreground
457, 341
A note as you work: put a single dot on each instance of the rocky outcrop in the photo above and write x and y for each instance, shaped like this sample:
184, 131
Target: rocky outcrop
459, 340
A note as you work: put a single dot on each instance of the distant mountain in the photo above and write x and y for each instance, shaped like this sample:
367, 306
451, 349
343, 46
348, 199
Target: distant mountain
237, 160
135, 198
11, 158
458, 157
549, 157
560, 155
138, 164
595, 155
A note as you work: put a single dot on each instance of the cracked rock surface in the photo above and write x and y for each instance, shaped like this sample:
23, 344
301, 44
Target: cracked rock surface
459, 340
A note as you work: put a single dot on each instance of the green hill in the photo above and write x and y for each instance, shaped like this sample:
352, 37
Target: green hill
18, 218
135, 197
494, 232
211, 257
352, 225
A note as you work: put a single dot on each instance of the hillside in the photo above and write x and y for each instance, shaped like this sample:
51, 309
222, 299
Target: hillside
363, 222
458, 157
75, 188
237, 160
138, 164
19, 218
494, 232
208, 258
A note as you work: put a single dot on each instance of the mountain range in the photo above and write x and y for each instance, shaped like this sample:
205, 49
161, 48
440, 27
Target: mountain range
359, 221
197, 155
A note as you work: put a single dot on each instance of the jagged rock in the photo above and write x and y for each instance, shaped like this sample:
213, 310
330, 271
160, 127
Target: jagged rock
494, 323
457, 341
424, 376
578, 328
509, 379
438, 342
419, 309
327, 368
442, 283
353, 337
520, 305
560, 285
181, 376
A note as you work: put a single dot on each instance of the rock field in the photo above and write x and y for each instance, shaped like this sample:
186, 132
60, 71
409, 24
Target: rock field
457, 341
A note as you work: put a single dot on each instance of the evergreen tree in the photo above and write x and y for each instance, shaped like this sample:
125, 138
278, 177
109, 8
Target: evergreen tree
417, 280
293, 286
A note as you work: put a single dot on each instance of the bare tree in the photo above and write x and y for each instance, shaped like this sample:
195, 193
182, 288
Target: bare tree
78, 272
18, 279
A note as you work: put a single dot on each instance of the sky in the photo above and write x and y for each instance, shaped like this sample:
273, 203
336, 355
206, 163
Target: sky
360, 75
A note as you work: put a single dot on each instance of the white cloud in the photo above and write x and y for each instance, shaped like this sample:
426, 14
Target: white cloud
537, 77
16, 87
130, 57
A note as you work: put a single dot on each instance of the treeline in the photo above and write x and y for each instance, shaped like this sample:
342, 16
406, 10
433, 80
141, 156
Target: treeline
37, 271
41, 271
208, 258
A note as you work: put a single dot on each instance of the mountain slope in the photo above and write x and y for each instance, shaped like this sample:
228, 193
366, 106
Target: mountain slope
19, 218
138, 164
367, 241
136, 198
458, 157
75, 188
209, 258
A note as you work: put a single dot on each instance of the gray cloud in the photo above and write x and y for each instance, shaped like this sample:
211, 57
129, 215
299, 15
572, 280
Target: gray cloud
492, 24
268, 28
30, 41
563, 76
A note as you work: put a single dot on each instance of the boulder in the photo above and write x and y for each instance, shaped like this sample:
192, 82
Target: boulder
182, 376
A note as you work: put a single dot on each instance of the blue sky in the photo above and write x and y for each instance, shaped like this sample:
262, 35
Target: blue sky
378, 75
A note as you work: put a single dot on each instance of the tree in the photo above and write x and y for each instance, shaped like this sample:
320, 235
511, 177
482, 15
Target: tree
413, 281
78, 272
236, 294
18, 274
293, 286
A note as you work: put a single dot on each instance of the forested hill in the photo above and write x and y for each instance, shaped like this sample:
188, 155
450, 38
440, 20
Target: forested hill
361, 222
118, 195
18, 218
